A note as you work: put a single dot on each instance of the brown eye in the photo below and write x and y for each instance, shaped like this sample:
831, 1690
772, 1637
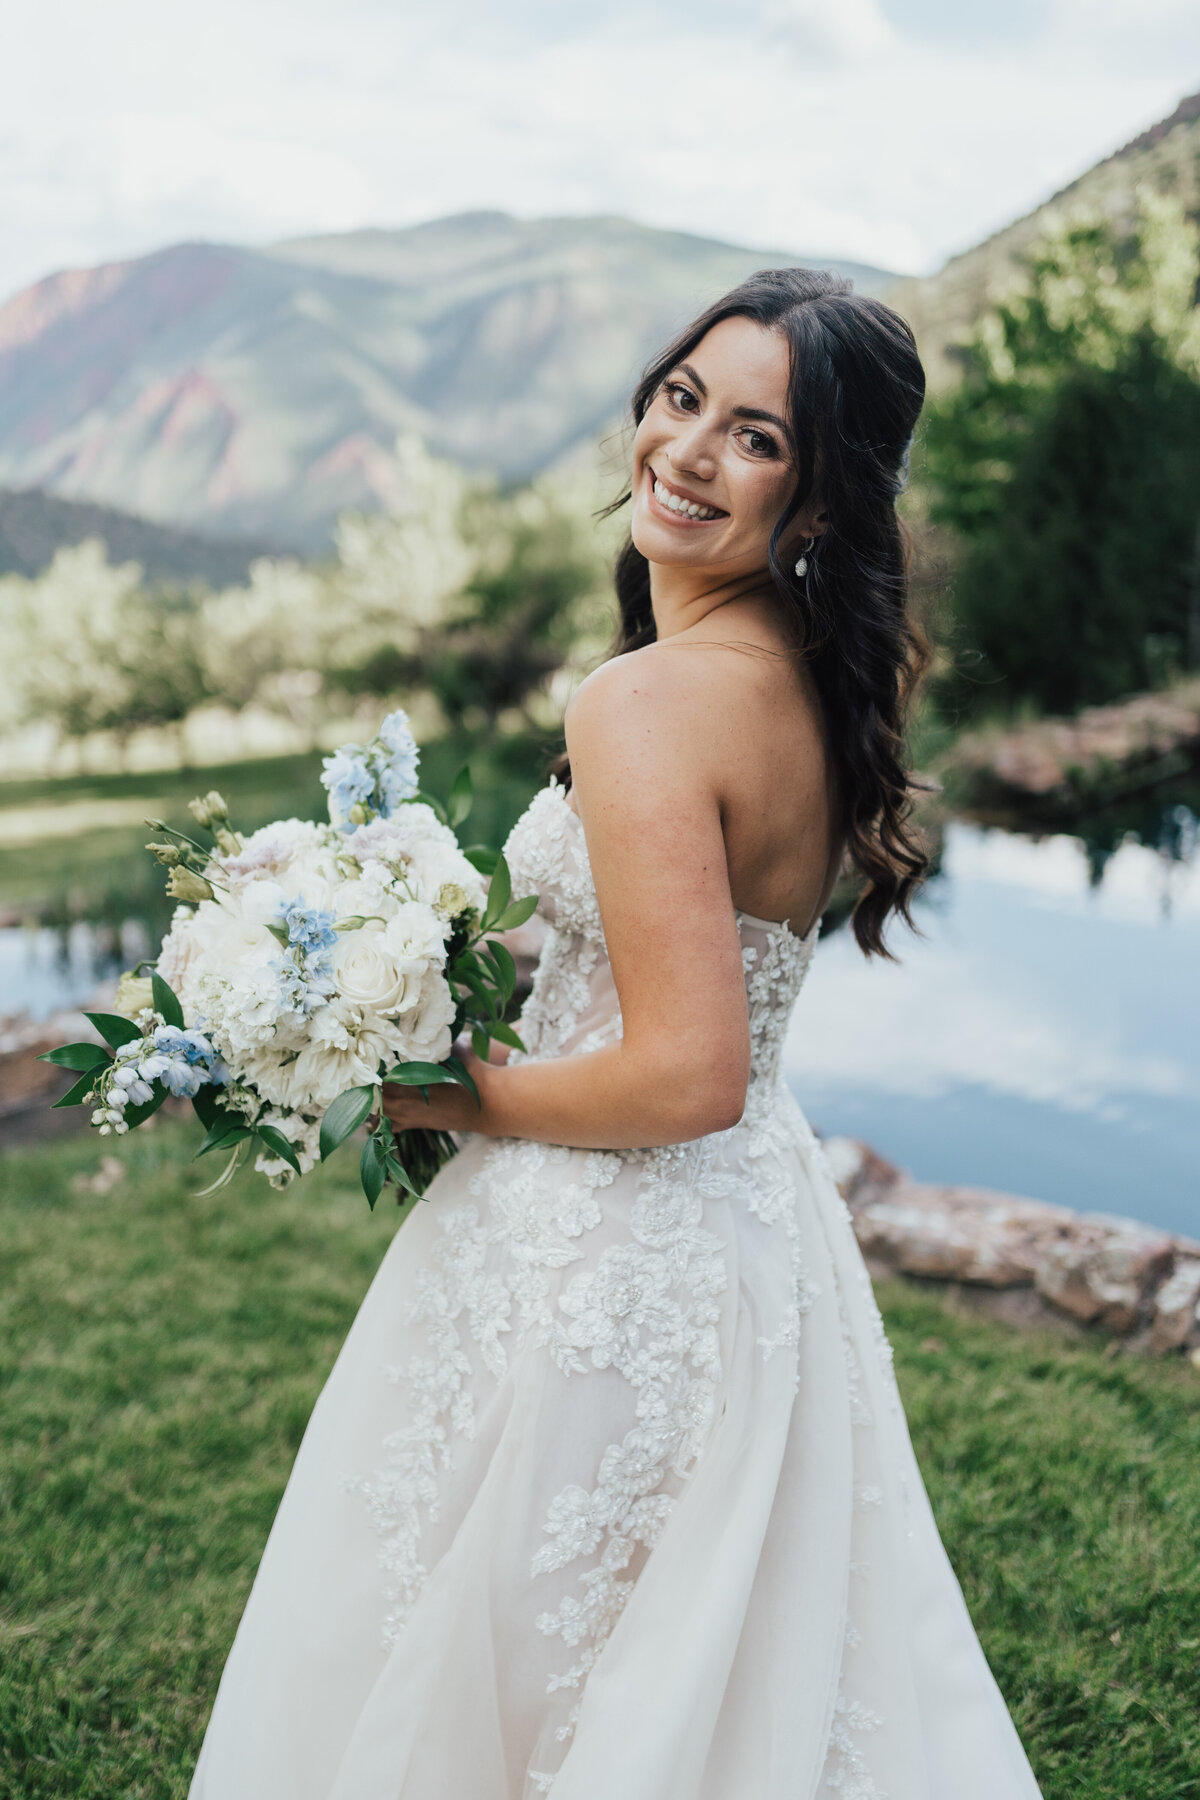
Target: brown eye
682, 397
759, 443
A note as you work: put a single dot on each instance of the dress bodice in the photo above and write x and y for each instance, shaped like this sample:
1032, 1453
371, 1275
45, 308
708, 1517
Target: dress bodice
573, 1007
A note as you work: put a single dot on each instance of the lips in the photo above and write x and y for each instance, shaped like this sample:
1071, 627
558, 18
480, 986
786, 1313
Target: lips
680, 506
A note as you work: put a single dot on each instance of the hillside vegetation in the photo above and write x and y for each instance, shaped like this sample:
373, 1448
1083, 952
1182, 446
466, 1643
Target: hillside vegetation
945, 309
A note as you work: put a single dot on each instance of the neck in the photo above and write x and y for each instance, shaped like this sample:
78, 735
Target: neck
682, 598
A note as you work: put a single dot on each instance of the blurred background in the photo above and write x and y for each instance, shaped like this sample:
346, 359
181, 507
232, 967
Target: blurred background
316, 332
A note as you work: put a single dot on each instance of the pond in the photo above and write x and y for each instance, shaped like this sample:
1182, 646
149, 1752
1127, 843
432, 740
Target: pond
1042, 1035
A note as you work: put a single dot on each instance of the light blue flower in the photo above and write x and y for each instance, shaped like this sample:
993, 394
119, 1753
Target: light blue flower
370, 781
349, 780
309, 928
399, 774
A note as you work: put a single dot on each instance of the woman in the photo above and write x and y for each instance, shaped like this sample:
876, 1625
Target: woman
610, 1491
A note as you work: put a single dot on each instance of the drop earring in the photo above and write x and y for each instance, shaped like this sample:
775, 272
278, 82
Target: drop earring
802, 559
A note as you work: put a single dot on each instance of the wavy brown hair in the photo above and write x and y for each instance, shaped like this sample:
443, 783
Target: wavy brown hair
855, 390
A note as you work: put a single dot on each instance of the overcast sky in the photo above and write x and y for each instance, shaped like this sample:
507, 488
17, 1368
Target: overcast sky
891, 131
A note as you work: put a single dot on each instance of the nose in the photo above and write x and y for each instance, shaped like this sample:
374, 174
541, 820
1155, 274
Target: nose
691, 450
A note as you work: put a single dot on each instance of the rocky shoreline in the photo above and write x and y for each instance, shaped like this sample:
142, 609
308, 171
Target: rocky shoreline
1050, 768
1026, 1260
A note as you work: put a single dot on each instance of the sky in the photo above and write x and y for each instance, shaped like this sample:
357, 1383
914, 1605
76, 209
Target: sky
893, 132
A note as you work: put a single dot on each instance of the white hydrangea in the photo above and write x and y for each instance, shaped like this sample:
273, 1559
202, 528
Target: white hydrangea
320, 962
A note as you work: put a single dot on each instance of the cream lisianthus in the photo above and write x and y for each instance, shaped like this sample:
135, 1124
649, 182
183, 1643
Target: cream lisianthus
134, 995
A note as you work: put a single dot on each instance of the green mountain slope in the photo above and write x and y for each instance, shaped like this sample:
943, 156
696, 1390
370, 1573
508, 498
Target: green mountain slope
944, 308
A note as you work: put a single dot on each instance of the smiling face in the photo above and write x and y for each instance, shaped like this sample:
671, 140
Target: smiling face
712, 467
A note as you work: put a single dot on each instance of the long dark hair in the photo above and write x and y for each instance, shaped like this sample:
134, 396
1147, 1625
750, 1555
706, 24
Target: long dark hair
855, 390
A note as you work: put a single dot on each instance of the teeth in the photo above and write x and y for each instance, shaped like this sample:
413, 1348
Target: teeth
688, 509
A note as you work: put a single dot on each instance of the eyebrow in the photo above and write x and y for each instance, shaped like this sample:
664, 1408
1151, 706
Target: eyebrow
741, 412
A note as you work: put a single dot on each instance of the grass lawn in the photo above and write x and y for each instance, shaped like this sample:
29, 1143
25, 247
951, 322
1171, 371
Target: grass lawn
160, 1356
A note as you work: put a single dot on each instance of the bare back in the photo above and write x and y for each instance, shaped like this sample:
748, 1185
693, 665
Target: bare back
761, 740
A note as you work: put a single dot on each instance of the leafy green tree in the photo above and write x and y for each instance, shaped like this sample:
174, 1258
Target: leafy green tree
1083, 590
1067, 463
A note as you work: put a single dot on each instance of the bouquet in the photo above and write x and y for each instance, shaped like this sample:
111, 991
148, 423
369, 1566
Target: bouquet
306, 965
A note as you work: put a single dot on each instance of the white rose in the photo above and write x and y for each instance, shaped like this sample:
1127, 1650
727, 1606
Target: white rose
370, 974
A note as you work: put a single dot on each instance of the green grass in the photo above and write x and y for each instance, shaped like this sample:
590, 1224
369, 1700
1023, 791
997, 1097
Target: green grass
160, 1355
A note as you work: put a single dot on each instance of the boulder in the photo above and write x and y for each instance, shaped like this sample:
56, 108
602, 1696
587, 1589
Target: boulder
1176, 1317
959, 1233
1105, 1271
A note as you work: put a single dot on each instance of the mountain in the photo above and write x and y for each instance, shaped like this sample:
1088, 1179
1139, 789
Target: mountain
33, 525
257, 393
945, 308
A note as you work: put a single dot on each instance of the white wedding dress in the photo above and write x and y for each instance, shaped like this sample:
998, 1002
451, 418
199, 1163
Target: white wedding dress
610, 1494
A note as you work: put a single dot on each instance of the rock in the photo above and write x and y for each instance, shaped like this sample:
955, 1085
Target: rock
1177, 1307
1106, 1271
860, 1172
960, 1234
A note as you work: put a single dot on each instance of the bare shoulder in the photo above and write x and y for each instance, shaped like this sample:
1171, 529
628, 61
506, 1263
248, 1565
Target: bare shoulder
669, 690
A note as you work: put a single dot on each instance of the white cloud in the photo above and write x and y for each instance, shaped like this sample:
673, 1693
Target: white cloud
789, 124
946, 1018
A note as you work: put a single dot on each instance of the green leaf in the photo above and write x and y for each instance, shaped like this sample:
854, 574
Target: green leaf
74, 1096
479, 1043
226, 1128
77, 1056
401, 1175
165, 1000
504, 966
458, 1072
113, 1028
462, 798
499, 894
516, 914
504, 1034
275, 1141
418, 1074
371, 1171
207, 1104
482, 858
345, 1115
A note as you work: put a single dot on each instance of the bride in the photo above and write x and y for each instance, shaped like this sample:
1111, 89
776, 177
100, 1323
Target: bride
610, 1495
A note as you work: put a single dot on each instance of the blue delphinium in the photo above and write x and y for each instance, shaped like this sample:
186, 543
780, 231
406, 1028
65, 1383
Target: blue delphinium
369, 781
305, 970
349, 782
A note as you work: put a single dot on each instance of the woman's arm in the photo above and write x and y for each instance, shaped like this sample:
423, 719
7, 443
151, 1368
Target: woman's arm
649, 801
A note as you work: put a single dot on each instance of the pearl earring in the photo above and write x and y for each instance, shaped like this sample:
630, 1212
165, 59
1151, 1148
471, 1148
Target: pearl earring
802, 559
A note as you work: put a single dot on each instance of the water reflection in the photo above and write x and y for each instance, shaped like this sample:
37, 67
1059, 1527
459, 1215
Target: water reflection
1040, 1037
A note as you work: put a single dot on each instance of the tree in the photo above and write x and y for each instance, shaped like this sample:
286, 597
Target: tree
1066, 462
1082, 591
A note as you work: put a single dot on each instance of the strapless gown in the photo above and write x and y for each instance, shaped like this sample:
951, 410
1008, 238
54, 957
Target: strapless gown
610, 1494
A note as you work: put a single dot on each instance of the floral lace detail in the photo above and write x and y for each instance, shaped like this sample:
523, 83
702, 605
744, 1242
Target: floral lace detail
773, 979
647, 1306
649, 1309
547, 854
850, 1777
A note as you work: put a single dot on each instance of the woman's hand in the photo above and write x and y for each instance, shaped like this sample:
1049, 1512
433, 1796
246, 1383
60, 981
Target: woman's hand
450, 1107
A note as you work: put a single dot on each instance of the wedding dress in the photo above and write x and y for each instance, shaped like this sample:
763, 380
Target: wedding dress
610, 1494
